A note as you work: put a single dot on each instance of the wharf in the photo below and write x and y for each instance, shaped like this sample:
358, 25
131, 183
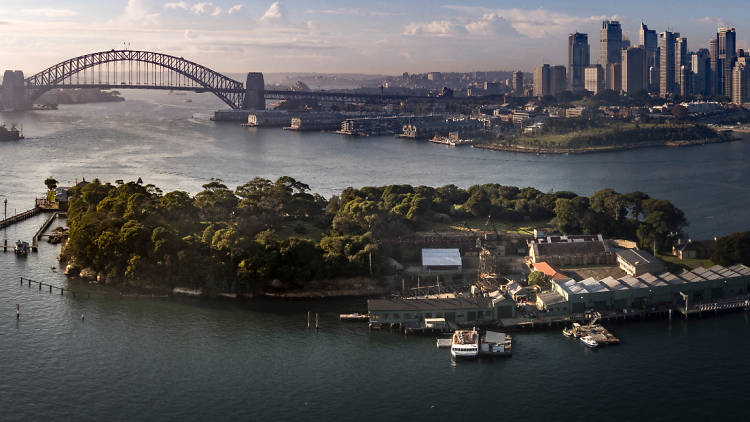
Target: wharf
20, 217
721, 305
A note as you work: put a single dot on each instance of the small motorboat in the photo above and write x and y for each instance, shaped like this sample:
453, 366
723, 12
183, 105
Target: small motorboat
354, 317
589, 342
567, 332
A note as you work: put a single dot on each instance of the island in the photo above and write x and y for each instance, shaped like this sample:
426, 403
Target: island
79, 96
277, 238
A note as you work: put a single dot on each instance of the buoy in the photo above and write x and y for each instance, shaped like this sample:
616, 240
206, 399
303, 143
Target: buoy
81, 317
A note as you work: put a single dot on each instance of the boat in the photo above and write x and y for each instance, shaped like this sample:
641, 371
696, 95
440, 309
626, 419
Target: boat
495, 344
589, 342
12, 134
354, 317
567, 332
465, 344
22, 248
188, 100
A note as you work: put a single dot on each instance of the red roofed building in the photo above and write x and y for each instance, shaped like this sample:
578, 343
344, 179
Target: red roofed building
549, 270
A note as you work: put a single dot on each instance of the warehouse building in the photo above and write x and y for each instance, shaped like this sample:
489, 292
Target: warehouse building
647, 289
571, 250
637, 262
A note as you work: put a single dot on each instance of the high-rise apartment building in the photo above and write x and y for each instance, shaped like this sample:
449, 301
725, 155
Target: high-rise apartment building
610, 44
578, 59
634, 71
594, 78
557, 80
517, 82
727, 52
700, 67
542, 80
740, 79
667, 62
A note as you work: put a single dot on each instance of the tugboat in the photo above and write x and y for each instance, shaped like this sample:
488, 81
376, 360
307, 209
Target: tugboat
12, 134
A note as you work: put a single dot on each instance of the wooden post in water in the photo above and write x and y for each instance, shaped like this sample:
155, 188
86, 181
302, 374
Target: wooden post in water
18, 311
308, 319
316, 320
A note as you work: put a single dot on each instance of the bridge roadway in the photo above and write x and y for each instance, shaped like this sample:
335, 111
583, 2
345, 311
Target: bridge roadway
332, 96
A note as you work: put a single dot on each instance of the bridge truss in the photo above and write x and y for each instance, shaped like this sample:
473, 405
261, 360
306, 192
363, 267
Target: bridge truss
135, 69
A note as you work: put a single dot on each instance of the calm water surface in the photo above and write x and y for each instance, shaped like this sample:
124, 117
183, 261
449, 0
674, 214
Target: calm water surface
168, 359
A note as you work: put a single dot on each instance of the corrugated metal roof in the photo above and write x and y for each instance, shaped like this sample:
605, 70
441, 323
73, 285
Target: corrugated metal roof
441, 257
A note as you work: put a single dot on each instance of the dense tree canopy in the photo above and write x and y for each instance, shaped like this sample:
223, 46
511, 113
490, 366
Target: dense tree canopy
239, 240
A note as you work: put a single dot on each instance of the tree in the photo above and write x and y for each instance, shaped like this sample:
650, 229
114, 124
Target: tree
537, 278
680, 112
566, 216
51, 183
732, 249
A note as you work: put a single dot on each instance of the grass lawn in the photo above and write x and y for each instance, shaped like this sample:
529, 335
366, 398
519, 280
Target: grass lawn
309, 232
675, 264
478, 223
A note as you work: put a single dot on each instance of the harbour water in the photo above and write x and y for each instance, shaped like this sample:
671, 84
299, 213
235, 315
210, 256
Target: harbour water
180, 359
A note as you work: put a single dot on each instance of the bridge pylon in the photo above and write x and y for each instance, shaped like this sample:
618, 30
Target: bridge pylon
255, 91
13, 91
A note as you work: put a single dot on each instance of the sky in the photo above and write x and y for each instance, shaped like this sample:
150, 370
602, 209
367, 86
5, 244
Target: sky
344, 36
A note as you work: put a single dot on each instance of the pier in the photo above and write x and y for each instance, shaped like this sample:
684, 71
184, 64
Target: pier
42, 229
21, 217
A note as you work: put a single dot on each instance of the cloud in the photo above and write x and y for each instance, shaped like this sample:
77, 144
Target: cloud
275, 13
136, 12
202, 8
350, 11
440, 28
46, 12
710, 20
536, 23
234, 9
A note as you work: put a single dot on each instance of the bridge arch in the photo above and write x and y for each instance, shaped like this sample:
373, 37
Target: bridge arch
230, 91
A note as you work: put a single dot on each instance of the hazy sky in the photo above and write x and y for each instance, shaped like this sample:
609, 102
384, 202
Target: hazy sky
375, 36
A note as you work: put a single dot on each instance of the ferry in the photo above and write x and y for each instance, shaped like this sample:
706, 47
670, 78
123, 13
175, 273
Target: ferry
12, 134
589, 342
465, 344
495, 344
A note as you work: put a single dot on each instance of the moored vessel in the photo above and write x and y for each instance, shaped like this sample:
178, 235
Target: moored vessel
12, 134
465, 344
589, 342
495, 344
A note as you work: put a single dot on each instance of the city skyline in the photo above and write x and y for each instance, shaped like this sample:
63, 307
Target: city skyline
333, 36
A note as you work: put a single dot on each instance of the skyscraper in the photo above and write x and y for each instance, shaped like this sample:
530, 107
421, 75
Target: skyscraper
542, 80
518, 82
557, 80
700, 67
727, 53
681, 65
667, 62
715, 65
578, 59
634, 72
649, 41
740, 89
610, 44
594, 76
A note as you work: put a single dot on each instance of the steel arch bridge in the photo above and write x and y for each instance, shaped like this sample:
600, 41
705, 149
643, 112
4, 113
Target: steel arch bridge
137, 69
